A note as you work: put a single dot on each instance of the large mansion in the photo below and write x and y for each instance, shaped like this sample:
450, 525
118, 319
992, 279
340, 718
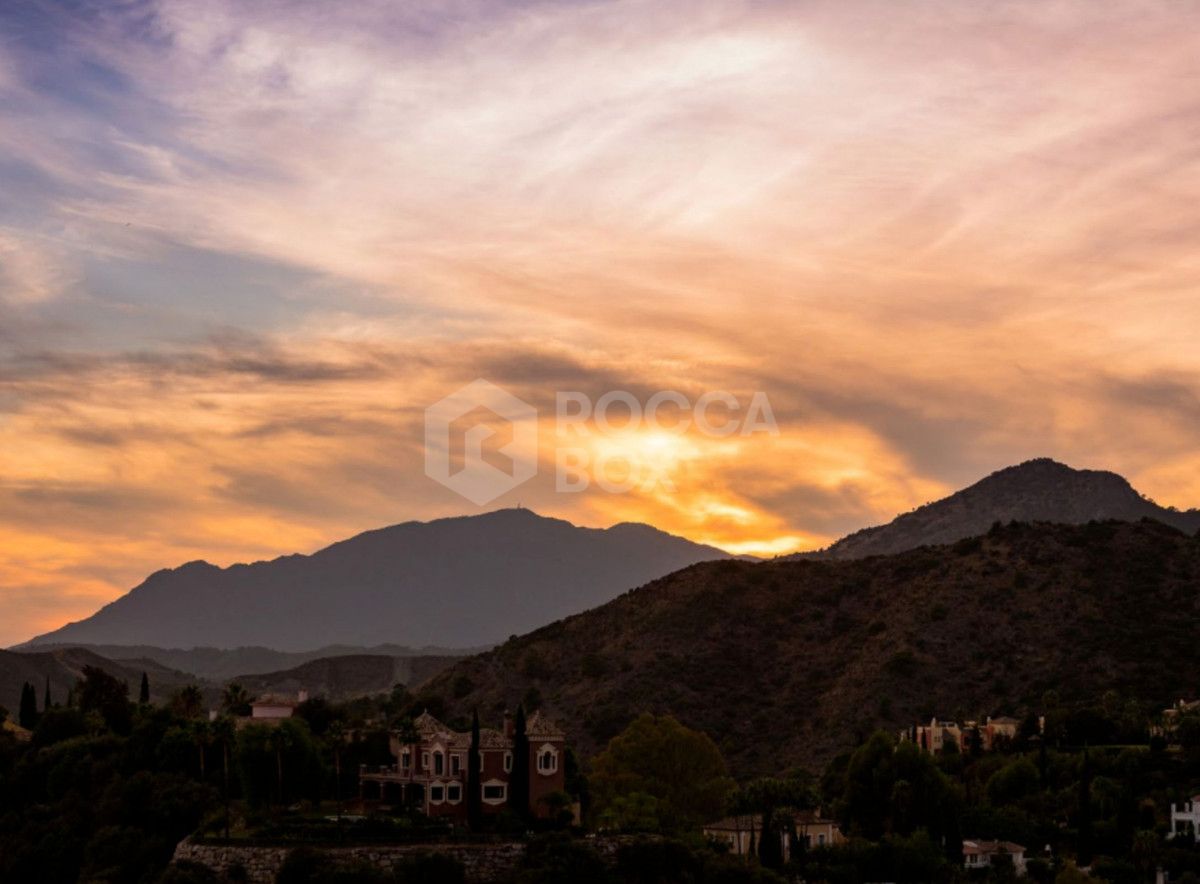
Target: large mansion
430, 773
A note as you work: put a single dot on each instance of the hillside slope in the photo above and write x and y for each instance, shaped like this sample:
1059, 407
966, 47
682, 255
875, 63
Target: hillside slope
222, 665
345, 677
1036, 491
463, 582
64, 666
785, 663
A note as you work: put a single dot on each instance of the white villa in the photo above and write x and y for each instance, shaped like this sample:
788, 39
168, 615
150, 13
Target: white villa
1185, 818
272, 707
983, 854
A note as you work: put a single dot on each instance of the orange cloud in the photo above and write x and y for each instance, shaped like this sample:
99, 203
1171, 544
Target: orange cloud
940, 243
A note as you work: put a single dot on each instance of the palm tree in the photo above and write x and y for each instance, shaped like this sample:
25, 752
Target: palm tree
279, 741
202, 737
337, 739
224, 731
188, 702
235, 699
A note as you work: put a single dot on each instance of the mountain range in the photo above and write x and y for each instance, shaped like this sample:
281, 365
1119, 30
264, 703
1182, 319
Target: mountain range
1040, 490
223, 664
786, 663
338, 677
1038, 577
60, 668
459, 582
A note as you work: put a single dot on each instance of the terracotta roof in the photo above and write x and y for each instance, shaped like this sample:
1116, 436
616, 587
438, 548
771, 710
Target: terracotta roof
991, 847
539, 725
744, 823
275, 700
427, 724
490, 738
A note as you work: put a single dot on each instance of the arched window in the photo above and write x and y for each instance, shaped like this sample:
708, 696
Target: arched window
547, 759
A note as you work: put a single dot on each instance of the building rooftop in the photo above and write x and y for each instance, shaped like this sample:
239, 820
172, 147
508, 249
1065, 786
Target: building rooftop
991, 847
275, 700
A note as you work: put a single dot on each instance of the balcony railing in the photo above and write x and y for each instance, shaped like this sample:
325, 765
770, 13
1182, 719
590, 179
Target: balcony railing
393, 773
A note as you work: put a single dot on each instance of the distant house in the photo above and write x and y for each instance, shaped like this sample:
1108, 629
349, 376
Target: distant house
1185, 819
938, 734
1169, 719
740, 833
272, 707
997, 732
984, 854
743, 834
814, 830
430, 774
935, 736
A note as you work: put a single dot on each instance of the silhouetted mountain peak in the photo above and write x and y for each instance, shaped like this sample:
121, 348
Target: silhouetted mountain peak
464, 581
1039, 490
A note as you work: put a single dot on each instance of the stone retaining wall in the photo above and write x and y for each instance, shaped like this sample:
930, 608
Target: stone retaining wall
484, 863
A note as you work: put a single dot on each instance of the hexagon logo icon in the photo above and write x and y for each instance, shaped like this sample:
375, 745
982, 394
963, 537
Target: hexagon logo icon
481, 442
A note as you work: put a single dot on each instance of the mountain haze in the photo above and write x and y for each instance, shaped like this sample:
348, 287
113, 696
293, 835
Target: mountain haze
221, 665
349, 676
1039, 490
460, 582
788, 662
62, 667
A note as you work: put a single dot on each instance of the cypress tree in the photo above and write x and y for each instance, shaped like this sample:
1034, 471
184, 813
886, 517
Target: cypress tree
27, 715
46, 696
474, 779
770, 850
1083, 849
518, 781
144, 691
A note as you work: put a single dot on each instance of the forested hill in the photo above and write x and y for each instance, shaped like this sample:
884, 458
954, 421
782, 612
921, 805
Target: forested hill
787, 663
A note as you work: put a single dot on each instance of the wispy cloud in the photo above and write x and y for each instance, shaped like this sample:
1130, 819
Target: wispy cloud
243, 245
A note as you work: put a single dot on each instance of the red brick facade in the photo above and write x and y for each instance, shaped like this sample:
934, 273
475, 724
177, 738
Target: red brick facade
431, 773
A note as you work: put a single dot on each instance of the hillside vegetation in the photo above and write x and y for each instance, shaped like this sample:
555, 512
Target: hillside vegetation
785, 663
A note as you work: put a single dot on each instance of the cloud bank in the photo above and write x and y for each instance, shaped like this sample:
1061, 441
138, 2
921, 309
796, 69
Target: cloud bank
242, 246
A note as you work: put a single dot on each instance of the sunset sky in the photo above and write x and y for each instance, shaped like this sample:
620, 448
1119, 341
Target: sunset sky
244, 245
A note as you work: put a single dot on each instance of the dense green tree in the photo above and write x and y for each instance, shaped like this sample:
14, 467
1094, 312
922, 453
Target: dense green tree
278, 763
897, 789
58, 725
46, 701
869, 785
1013, 782
144, 690
107, 696
320, 714
657, 756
